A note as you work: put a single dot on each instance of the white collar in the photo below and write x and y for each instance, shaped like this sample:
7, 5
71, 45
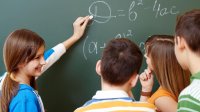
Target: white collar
104, 94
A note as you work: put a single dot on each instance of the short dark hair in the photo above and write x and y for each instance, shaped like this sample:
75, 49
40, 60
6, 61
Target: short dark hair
121, 59
188, 27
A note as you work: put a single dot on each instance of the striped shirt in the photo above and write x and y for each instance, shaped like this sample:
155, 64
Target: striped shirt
189, 98
115, 101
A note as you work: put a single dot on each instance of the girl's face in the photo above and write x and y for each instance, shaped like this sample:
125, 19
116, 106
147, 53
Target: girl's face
148, 61
34, 67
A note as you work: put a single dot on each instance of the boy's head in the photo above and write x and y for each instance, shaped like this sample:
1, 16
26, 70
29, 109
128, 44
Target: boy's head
187, 35
121, 60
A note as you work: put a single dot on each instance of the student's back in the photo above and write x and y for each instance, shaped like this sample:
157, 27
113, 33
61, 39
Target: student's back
118, 69
116, 105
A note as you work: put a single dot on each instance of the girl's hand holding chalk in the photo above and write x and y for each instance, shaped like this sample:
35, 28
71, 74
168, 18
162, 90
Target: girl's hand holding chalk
90, 17
80, 26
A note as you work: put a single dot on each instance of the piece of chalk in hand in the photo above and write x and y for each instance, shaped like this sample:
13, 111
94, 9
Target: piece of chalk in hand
91, 17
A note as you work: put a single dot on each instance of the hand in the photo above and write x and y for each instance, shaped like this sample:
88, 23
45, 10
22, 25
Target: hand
146, 80
79, 29
79, 26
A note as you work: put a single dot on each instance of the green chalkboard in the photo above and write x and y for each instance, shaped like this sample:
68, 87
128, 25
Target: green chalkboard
73, 80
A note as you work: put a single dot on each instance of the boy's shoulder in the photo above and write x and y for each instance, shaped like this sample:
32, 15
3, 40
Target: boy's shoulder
189, 98
115, 100
193, 90
117, 105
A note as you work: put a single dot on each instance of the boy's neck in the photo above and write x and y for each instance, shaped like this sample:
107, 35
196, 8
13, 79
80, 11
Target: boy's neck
194, 63
106, 86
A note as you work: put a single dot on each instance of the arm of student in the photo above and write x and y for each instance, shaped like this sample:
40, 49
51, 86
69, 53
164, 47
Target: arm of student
146, 80
52, 55
79, 29
144, 98
166, 104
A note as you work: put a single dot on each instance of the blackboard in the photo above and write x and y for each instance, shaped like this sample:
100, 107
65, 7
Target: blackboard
73, 80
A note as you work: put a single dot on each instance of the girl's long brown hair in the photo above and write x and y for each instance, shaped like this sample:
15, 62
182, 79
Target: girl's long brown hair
20, 47
170, 75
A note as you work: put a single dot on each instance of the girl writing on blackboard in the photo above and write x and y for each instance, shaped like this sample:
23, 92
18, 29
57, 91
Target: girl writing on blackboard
161, 60
25, 60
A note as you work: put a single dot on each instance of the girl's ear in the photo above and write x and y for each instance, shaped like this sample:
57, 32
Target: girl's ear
98, 67
21, 65
134, 80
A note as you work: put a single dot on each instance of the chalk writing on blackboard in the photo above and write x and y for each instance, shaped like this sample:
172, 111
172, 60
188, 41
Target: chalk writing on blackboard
102, 11
101, 6
92, 47
160, 11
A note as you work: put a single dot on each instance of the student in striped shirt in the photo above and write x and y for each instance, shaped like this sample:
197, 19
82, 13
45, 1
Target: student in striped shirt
25, 60
187, 50
118, 69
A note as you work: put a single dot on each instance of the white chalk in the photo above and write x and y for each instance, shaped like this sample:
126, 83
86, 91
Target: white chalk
91, 17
